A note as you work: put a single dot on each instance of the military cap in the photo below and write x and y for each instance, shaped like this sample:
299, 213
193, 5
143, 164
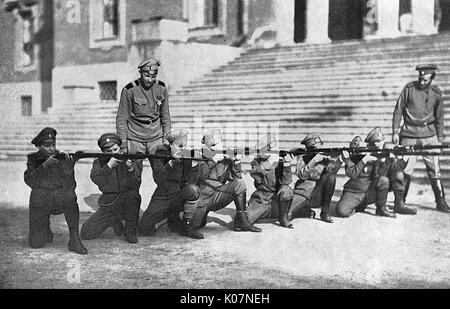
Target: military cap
356, 142
311, 139
374, 136
47, 134
150, 65
426, 68
175, 136
211, 137
109, 139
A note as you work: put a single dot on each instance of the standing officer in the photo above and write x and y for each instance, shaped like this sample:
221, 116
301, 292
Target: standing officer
143, 117
52, 183
176, 190
368, 181
421, 107
221, 183
316, 183
273, 196
119, 183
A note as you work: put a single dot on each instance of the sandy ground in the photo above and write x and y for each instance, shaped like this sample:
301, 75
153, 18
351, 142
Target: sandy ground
363, 251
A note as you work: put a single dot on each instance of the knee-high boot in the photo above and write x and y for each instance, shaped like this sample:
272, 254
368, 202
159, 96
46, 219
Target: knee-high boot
439, 194
241, 222
283, 214
73, 219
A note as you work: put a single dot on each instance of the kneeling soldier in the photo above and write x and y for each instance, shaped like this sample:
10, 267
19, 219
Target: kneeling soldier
316, 183
368, 182
119, 183
220, 184
273, 196
176, 190
52, 183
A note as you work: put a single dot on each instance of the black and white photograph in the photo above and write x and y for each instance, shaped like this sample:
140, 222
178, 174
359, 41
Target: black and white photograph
224, 149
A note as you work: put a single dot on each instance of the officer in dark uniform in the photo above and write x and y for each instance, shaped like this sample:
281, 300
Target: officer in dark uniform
52, 183
368, 181
421, 108
176, 190
143, 117
316, 183
221, 183
119, 183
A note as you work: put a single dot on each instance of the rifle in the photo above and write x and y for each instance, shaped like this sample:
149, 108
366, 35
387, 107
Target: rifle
124, 156
396, 150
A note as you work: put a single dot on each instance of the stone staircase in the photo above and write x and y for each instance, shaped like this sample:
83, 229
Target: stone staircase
341, 90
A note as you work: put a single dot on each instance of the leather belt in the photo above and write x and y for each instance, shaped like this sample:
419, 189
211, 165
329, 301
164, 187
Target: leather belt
151, 121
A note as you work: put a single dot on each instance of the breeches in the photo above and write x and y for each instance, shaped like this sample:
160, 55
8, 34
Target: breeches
126, 208
351, 200
44, 203
263, 204
431, 162
159, 208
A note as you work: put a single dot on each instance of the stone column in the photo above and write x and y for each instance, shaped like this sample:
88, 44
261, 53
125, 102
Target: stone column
423, 16
284, 11
317, 12
387, 18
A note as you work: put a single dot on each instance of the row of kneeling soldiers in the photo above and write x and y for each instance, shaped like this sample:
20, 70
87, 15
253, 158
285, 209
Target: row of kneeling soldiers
187, 190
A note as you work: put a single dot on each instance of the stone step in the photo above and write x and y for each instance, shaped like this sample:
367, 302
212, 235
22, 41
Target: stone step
317, 60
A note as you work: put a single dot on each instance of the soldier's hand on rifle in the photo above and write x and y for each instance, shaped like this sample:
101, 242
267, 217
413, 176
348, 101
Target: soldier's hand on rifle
51, 161
197, 155
396, 139
288, 159
319, 157
113, 162
219, 157
345, 154
369, 158
130, 165
238, 158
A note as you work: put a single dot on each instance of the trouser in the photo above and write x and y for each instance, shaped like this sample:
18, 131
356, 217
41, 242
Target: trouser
160, 208
126, 208
143, 147
377, 193
431, 162
44, 203
214, 199
264, 204
320, 197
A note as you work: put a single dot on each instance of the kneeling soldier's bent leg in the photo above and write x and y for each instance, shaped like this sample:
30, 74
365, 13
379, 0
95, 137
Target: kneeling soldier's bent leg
324, 191
382, 190
153, 216
285, 196
102, 219
38, 222
190, 195
348, 203
241, 222
72, 215
131, 203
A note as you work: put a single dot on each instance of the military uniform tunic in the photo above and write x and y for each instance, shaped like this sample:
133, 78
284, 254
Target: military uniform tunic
316, 183
143, 113
219, 184
52, 193
368, 184
264, 202
176, 185
120, 199
422, 111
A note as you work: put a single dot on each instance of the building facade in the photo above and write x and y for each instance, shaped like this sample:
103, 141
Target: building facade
57, 53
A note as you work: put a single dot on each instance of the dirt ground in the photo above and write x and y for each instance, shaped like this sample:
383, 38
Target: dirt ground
363, 251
